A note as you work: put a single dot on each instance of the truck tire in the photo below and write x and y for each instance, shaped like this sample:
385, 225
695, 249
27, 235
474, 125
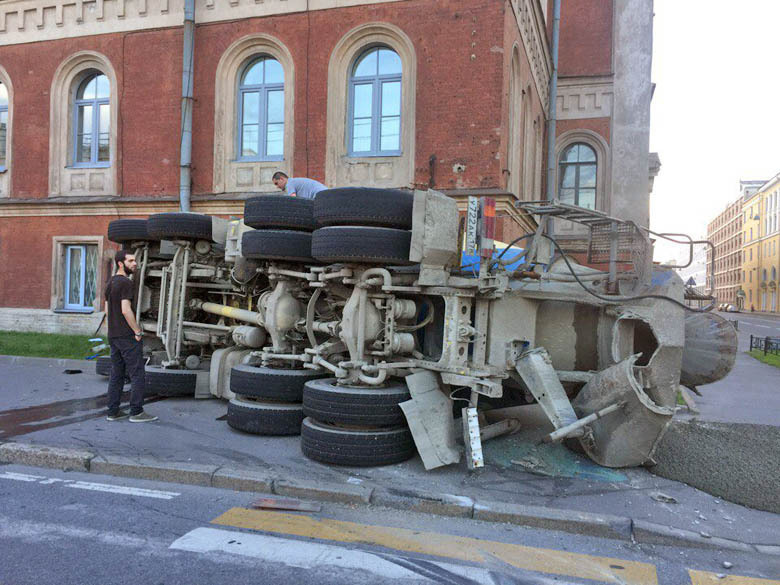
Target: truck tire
326, 402
369, 245
188, 226
356, 448
270, 383
289, 245
279, 212
264, 418
167, 382
128, 230
103, 365
390, 208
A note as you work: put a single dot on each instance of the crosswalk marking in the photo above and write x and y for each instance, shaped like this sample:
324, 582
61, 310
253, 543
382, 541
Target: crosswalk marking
91, 486
705, 578
604, 569
317, 555
122, 489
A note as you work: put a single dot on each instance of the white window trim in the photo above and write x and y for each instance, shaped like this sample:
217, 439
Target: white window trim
64, 177
59, 265
603, 173
5, 172
231, 174
381, 171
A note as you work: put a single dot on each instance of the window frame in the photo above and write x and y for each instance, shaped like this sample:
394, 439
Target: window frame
264, 89
376, 82
95, 103
7, 111
80, 307
562, 166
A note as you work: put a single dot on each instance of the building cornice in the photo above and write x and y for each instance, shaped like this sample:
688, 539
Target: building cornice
30, 21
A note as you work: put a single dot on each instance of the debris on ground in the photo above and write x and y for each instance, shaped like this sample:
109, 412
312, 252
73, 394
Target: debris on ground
663, 498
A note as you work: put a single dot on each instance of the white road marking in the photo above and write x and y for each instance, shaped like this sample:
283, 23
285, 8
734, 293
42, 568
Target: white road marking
31, 531
122, 489
317, 555
20, 476
87, 485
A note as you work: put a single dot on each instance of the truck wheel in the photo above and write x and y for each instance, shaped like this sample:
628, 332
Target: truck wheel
188, 226
167, 382
358, 448
290, 245
264, 418
326, 402
103, 365
271, 383
129, 230
364, 206
369, 245
280, 212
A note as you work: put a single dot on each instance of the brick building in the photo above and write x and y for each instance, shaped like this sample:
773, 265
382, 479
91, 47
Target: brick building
451, 94
726, 232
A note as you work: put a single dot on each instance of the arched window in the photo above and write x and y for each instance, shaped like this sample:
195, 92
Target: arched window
374, 127
261, 111
774, 273
92, 121
3, 125
577, 175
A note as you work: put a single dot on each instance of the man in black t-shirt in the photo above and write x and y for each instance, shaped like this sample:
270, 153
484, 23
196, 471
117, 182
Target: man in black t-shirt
124, 338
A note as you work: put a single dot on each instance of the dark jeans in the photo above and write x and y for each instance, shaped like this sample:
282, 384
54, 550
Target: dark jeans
126, 359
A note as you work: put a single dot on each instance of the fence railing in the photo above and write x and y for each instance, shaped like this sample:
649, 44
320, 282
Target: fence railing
765, 344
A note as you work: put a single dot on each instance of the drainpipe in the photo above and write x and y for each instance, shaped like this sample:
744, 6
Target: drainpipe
553, 102
185, 165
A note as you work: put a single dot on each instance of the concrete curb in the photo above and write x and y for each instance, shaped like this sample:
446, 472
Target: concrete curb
41, 456
602, 525
262, 481
23, 360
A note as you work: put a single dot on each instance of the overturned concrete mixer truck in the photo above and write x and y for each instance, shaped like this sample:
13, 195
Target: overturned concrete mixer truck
354, 321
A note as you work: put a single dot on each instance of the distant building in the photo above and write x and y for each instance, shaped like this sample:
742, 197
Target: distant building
761, 240
725, 233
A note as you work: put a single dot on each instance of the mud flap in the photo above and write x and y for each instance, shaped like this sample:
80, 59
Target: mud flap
429, 414
627, 437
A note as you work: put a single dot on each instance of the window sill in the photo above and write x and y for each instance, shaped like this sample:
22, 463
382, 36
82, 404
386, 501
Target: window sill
382, 155
89, 166
257, 160
77, 311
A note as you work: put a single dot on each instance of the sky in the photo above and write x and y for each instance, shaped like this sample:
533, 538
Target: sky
715, 115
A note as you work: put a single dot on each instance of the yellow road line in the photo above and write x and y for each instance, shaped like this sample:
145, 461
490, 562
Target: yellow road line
543, 560
705, 578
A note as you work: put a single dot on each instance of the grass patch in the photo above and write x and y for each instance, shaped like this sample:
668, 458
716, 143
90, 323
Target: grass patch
49, 345
771, 359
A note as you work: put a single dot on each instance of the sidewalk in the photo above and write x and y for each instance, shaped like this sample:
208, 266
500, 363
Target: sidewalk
522, 482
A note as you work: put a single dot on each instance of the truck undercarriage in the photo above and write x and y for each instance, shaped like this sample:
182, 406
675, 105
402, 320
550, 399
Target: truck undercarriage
352, 320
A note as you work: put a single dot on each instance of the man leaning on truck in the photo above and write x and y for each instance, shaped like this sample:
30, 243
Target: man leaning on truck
125, 339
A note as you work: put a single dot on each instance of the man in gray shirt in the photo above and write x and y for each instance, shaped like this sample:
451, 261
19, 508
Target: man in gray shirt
297, 186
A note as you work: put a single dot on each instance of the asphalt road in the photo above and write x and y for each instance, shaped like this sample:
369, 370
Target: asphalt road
86, 529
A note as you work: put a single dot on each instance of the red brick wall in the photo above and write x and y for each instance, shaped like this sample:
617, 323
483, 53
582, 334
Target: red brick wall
26, 246
598, 125
459, 98
585, 38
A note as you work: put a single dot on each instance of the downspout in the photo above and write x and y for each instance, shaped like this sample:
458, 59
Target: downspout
185, 165
553, 102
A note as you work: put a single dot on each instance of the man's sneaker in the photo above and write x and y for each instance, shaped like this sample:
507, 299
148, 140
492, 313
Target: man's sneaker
142, 417
118, 415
